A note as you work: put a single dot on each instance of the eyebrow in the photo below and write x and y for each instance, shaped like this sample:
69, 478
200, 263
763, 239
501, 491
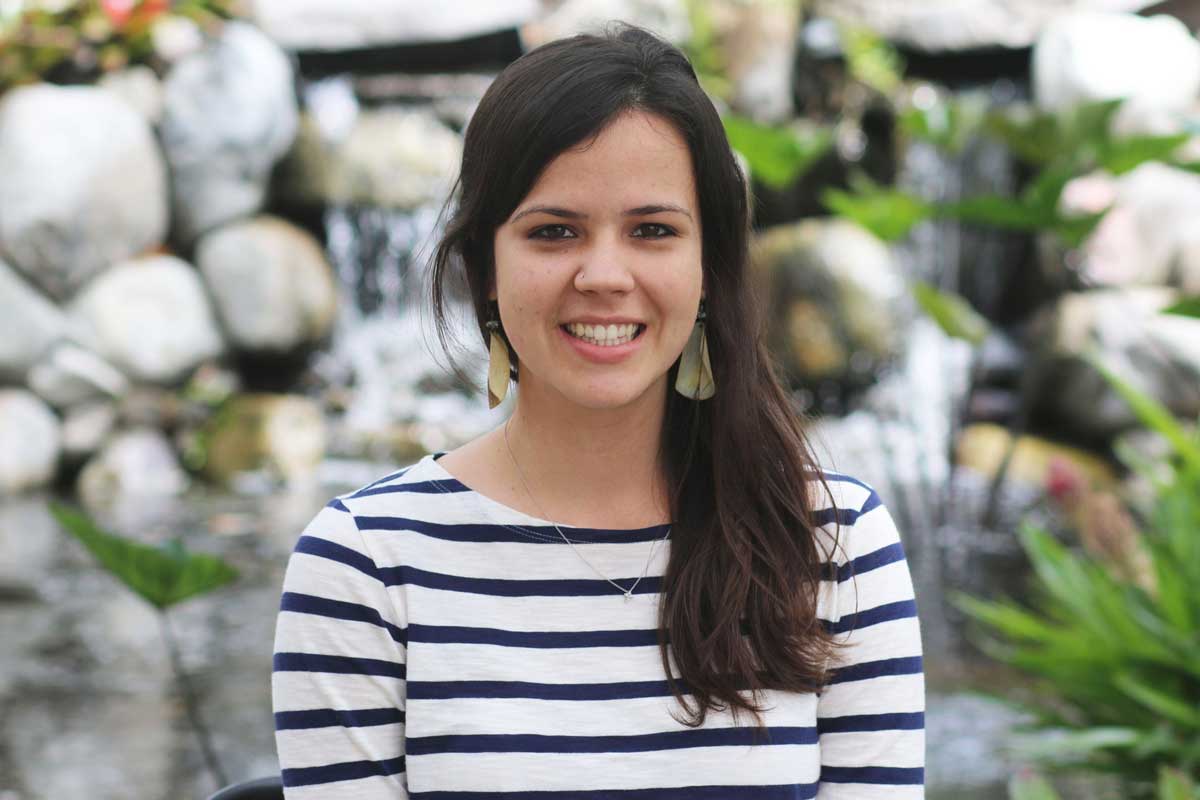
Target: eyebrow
640, 211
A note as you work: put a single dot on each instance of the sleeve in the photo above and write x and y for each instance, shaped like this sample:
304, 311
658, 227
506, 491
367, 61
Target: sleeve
338, 685
871, 713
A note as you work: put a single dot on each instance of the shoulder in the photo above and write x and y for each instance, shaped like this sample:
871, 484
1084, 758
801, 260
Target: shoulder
420, 478
852, 516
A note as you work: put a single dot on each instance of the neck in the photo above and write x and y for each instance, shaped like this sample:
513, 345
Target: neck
592, 464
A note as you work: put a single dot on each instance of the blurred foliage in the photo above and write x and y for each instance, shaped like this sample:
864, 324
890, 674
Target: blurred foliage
1188, 307
1062, 147
777, 155
162, 576
947, 122
871, 60
703, 50
1172, 785
79, 41
885, 211
952, 313
1115, 647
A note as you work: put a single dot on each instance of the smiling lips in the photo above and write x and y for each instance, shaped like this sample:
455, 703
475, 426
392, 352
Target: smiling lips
604, 335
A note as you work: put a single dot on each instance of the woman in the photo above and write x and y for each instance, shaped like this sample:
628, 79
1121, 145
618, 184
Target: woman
640, 586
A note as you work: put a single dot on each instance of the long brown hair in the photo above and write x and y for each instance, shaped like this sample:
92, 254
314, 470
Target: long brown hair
740, 592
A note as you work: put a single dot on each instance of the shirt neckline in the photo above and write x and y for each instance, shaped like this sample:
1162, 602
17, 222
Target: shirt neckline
522, 518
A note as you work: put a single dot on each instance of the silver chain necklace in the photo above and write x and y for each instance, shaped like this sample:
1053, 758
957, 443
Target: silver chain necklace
627, 592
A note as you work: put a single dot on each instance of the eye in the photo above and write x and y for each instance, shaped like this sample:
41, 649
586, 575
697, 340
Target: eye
552, 233
653, 230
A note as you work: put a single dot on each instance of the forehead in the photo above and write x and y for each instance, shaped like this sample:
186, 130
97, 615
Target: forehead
638, 157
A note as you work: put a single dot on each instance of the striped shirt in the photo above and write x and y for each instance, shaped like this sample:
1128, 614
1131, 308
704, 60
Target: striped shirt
433, 643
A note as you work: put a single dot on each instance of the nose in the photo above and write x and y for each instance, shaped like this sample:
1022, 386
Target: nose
604, 269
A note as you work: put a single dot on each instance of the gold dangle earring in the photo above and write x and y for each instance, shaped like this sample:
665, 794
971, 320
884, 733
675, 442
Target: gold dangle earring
499, 367
694, 378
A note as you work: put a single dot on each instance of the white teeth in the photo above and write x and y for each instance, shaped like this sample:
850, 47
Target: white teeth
603, 335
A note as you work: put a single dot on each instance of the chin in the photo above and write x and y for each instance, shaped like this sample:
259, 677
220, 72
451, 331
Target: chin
610, 397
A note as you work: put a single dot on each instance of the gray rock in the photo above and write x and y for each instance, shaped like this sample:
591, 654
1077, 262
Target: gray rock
836, 299
1159, 354
149, 317
1152, 62
759, 47
84, 184
139, 461
1185, 266
390, 158
284, 435
138, 86
272, 286
951, 25
85, 428
335, 25
70, 374
229, 113
1148, 234
29, 325
667, 18
31, 435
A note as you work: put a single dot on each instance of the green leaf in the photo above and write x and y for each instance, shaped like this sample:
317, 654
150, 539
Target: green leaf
1152, 414
871, 59
952, 313
1158, 701
1188, 307
161, 576
1122, 155
1031, 787
888, 213
1175, 785
777, 156
947, 124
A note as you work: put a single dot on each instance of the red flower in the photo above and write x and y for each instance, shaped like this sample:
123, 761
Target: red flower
122, 12
118, 11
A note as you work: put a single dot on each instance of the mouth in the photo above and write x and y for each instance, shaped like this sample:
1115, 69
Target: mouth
604, 335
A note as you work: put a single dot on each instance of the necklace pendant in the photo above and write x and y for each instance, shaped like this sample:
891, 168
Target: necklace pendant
627, 596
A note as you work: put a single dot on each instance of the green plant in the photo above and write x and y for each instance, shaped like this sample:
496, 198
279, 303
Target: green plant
1112, 634
78, 41
1172, 785
777, 156
163, 577
1059, 146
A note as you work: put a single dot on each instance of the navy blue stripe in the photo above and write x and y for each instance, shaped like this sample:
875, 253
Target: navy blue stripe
870, 504
339, 505
450, 634
347, 665
442, 486
668, 740
345, 771
339, 609
384, 479
877, 669
482, 532
839, 477
873, 560
443, 690
505, 587
798, 791
901, 609
845, 517
315, 546
885, 776
857, 723
336, 718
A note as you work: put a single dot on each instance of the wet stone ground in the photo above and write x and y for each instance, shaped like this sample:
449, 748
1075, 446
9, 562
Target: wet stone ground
89, 709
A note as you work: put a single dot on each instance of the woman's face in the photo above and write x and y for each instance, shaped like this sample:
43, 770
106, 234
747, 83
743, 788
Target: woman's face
607, 242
